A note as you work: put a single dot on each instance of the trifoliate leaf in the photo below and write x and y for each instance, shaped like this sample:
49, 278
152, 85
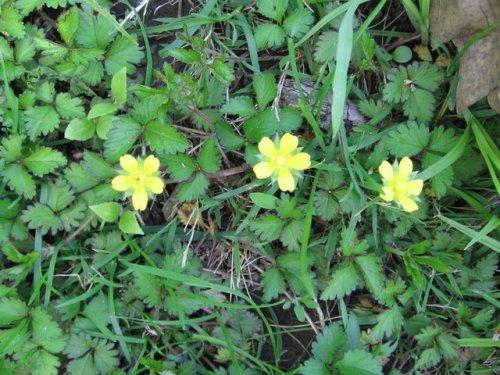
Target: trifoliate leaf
420, 105
12, 310
326, 46
370, 267
39, 216
121, 138
149, 288
407, 139
67, 24
209, 157
194, 189
425, 75
343, 282
358, 362
44, 160
11, 149
94, 32
128, 224
68, 107
40, 120
291, 236
19, 180
298, 22
79, 178
59, 195
397, 90
45, 92
123, 53
163, 138
442, 140
266, 124
41, 362
228, 137
180, 166
265, 88
269, 35
388, 323
326, 205
240, 105
268, 227
80, 129
273, 9
273, 282
331, 340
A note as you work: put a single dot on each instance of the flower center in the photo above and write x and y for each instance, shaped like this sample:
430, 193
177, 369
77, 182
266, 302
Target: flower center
280, 161
140, 179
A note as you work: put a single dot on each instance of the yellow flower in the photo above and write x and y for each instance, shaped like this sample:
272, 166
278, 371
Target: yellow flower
139, 178
281, 160
398, 184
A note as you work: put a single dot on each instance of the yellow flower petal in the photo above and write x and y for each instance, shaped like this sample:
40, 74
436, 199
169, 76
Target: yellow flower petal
122, 183
151, 165
386, 171
140, 199
414, 187
266, 147
155, 184
263, 170
405, 168
388, 194
286, 181
288, 143
300, 161
129, 164
407, 204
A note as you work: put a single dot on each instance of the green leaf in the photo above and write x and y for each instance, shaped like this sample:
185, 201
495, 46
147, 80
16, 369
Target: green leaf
269, 35
314, 367
298, 22
187, 56
370, 267
263, 200
194, 189
128, 223
46, 332
209, 157
274, 9
420, 105
149, 288
329, 342
105, 357
228, 137
425, 75
82, 366
180, 166
163, 138
94, 32
12, 147
358, 362
103, 125
39, 216
266, 124
428, 358
97, 167
42, 362
326, 46
343, 282
59, 195
221, 70
265, 88
273, 282
388, 323
326, 205
121, 138
44, 160
12, 310
123, 53
119, 86
102, 109
268, 227
80, 129
239, 105
19, 180
69, 107
67, 25
402, 54
12, 24
108, 211
407, 139
40, 120
292, 234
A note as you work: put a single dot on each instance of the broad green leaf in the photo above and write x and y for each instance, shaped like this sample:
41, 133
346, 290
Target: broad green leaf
194, 189
12, 24
269, 35
108, 211
103, 125
102, 109
12, 147
163, 138
121, 138
128, 223
268, 227
240, 105
328, 342
67, 24
180, 166
222, 71
149, 288
370, 267
265, 88
12, 310
326, 46
358, 362
44, 160
46, 332
19, 180
40, 121
407, 139
80, 129
267, 124
187, 56
123, 53
388, 323
119, 86
68, 107
228, 137
298, 22
274, 9
209, 157
39, 216
273, 282
97, 167
263, 200
343, 282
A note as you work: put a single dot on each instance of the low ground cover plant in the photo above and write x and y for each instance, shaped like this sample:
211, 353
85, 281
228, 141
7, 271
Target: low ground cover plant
242, 187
